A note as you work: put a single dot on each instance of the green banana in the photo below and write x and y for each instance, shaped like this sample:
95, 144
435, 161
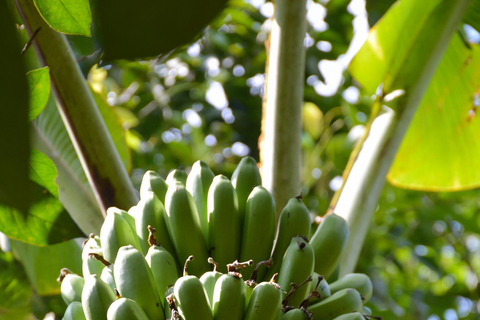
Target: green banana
265, 302
209, 279
184, 228
150, 212
251, 283
164, 269
229, 297
245, 177
297, 265
107, 276
97, 297
224, 222
74, 312
351, 316
116, 232
198, 183
125, 309
249, 286
294, 220
130, 218
135, 281
176, 175
358, 281
152, 181
323, 287
295, 314
90, 265
259, 228
191, 298
341, 302
71, 286
328, 243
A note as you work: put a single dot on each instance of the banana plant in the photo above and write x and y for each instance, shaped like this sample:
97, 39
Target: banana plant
108, 181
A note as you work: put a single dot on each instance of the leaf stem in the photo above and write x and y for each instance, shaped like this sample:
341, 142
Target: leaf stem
93, 144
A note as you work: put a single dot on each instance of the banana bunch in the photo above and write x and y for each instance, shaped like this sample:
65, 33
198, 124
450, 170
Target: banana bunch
132, 270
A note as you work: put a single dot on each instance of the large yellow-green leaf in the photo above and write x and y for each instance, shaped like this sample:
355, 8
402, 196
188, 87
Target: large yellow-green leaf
398, 44
440, 146
441, 150
66, 16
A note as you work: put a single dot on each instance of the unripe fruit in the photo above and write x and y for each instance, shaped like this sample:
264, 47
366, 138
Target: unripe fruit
265, 302
229, 297
135, 280
152, 181
71, 287
97, 297
125, 309
74, 312
191, 299
328, 243
198, 183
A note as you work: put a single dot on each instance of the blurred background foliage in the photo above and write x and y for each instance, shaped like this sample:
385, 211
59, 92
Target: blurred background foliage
204, 101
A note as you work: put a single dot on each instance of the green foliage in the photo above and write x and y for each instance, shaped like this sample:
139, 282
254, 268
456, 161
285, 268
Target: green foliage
14, 132
163, 25
66, 16
46, 221
74, 192
433, 159
15, 296
42, 273
472, 17
409, 29
429, 158
39, 91
422, 254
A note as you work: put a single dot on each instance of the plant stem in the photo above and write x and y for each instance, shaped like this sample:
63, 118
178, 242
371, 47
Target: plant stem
93, 144
365, 180
281, 123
